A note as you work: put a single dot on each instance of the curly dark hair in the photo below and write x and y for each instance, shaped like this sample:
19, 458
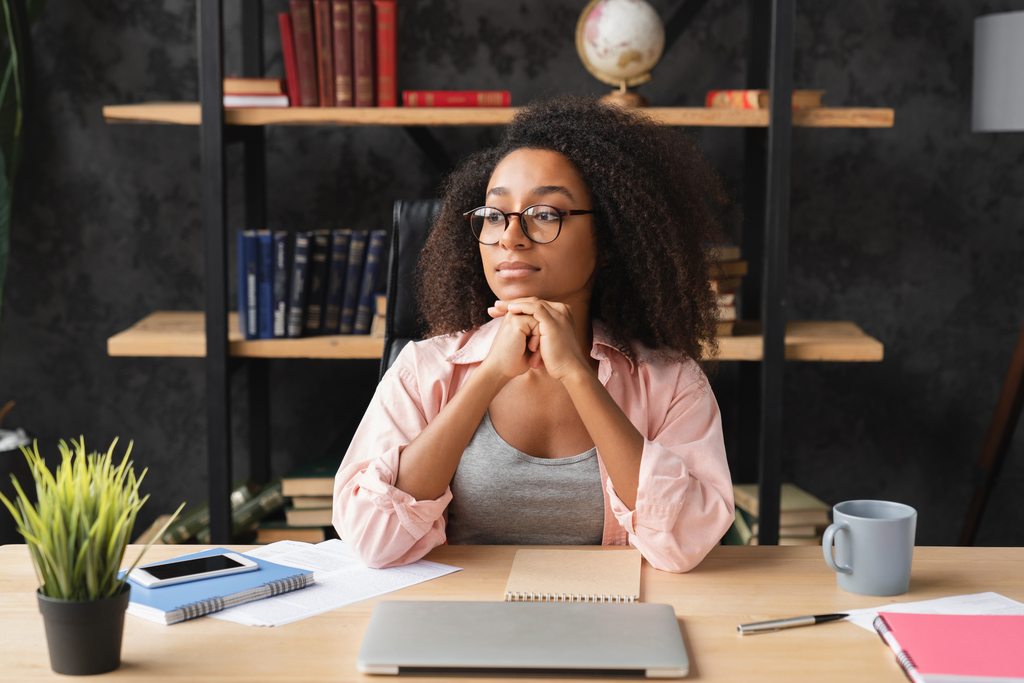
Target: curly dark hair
657, 204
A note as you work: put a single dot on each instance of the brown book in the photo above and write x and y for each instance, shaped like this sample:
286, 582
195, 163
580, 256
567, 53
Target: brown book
271, 532
312, 479
234, 85
722, 285
363, 66
723, 252
308, 516
341, 11
384, 12
304, 502
725, 328
759, 99
569, 575
305, 51
323, 28
726, 313
728, 269
796, 506
726, 299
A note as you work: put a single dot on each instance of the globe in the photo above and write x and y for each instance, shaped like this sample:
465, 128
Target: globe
620, 41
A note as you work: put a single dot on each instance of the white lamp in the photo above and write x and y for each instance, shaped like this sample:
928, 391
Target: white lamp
998, 73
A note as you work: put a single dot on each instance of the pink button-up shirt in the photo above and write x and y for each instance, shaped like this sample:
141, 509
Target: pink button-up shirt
684, 500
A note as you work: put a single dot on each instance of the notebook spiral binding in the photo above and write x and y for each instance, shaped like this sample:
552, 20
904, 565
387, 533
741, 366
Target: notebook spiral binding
267, 590
567, 597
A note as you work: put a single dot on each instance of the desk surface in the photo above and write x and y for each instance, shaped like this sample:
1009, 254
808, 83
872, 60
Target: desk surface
733, 585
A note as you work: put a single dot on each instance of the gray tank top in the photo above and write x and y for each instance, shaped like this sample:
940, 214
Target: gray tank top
503, 496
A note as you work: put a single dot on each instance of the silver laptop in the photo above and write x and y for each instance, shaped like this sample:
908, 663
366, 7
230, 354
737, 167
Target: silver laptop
494, 638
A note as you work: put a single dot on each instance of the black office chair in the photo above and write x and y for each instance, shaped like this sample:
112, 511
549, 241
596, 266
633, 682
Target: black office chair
412, 221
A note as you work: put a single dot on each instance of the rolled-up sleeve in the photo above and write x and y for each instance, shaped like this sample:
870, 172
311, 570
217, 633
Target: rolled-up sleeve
684, 501
386, 525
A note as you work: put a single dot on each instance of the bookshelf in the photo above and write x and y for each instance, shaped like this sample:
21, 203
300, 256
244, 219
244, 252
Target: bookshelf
182, 334
187, 114
212, 335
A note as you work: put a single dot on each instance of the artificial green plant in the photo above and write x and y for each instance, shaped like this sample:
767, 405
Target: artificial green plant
83, 518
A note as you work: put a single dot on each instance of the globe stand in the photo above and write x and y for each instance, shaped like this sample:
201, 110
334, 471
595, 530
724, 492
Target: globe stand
623, 97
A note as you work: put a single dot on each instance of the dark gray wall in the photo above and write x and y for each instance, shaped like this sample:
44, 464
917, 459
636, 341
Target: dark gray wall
913, 232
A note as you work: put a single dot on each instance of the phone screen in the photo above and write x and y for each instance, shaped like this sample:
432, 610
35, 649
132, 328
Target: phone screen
200, 565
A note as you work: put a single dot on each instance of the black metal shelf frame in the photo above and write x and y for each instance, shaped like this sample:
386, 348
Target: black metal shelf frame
765, 242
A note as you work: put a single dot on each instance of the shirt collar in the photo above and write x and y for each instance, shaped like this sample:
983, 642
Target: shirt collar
478, 342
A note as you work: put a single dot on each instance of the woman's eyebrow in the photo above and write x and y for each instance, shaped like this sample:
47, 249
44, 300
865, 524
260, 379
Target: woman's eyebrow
537, 191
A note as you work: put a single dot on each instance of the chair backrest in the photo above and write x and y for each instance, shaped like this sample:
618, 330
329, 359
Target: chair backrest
412, 221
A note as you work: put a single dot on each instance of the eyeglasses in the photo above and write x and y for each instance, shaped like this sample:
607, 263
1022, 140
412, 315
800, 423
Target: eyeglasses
540, 223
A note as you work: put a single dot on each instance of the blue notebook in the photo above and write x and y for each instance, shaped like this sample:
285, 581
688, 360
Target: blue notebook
178, 602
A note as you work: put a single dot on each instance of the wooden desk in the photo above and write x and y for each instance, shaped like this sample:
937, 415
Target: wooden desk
733, 585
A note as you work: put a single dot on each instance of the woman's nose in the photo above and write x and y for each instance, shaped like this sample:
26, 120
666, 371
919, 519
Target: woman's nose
514, 236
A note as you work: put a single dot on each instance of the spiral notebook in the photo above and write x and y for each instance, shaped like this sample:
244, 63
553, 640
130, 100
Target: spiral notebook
955, 647
565, 575
178, 602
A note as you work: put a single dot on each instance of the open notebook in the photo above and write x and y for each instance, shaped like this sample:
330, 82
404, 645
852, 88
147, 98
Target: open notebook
565, 575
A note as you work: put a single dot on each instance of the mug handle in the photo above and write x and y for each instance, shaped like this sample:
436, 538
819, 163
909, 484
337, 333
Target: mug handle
826, 546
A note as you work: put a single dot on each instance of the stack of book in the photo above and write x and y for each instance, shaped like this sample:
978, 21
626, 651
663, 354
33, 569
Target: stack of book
309, 490
727, 271
340, 53
759, 99
308, 283
254, 92
250, 503
802, 516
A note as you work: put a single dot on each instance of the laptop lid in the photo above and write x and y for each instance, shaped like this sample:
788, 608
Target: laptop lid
433, 637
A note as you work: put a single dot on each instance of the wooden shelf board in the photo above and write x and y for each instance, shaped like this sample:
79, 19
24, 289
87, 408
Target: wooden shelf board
168, 334
181, 334
187, 113
831, 341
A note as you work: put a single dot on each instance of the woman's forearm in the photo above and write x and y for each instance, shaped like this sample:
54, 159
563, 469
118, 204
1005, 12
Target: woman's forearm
428, 463
617, 440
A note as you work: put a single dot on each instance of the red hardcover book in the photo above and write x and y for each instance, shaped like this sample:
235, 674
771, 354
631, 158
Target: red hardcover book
324, 52
362, 52
342, 12
456, 98
385, 19
305, 51
291, 64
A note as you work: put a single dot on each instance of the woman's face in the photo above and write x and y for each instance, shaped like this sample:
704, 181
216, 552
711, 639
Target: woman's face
515, 267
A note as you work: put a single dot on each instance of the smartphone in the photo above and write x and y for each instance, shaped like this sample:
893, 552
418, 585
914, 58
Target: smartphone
180, 571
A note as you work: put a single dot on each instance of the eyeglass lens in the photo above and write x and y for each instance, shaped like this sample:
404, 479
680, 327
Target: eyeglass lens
540, 223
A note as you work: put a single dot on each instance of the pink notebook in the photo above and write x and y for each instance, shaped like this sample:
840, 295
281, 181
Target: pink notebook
955, 647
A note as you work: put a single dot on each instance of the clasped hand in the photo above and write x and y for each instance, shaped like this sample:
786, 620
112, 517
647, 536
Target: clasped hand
535, 333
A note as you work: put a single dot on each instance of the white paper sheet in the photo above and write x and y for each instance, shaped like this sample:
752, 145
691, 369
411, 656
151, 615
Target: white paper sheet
975, 603
341, 579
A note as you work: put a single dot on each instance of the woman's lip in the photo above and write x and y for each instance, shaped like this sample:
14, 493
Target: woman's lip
515, 271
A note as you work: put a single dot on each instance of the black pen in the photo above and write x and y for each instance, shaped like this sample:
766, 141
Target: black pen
792, 622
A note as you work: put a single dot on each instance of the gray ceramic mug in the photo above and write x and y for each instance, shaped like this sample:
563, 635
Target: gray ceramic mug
874, 543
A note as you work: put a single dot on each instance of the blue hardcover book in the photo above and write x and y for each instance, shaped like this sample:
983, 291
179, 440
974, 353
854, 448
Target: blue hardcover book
319, 252
178, 602
353, 278
297, 291
265, 285
280, 238
248, 269
340, 239
366, 306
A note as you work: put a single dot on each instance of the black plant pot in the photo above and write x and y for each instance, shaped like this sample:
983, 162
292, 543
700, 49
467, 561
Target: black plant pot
84, 637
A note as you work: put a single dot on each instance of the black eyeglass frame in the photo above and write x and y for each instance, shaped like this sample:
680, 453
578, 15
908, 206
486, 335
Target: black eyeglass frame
562, 213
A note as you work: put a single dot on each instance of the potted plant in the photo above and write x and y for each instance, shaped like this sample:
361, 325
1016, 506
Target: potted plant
76, 531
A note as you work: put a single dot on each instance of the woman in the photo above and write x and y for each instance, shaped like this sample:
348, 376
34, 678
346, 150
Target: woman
559, 398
